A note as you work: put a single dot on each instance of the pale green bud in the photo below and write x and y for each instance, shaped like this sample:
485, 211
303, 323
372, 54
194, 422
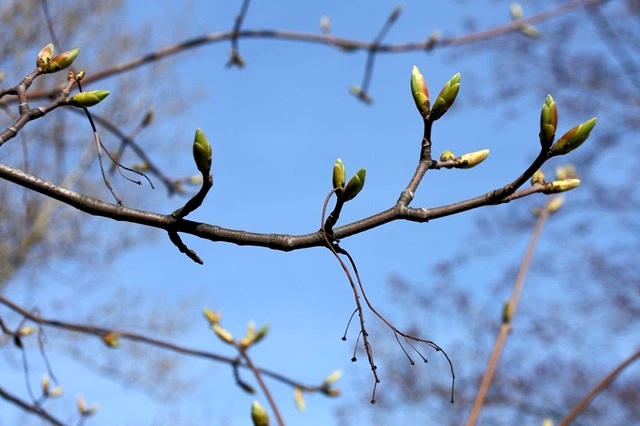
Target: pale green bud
420, 92
88, 99
446, 97
548, 122
202, 153
339, 176
355, 185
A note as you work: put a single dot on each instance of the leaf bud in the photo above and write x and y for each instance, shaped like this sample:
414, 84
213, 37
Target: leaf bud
339, 176
355, 185
472, 159
548, 122
202, 153
61, 61
561, 186
573, 138
446, 97
88, 99
420, 92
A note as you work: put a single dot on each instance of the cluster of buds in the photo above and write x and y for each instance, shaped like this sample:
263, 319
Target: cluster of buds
49, 64
347, 191
570, 140
444, 100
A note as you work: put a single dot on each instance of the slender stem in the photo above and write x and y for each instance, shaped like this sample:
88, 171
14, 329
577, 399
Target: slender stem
263, 385
505, 327
608, 379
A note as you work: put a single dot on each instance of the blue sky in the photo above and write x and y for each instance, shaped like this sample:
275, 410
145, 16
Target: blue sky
276, 128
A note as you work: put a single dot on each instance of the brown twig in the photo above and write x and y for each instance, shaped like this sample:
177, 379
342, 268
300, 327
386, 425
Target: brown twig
328, 40
265, 389
601, 386
31, 408
100, 332
505, 327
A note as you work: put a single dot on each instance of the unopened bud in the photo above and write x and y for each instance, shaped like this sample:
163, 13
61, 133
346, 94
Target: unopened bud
445, 98
573, 138
420, 92
472, 159
88, 99
355, 185
561, 186
202, 153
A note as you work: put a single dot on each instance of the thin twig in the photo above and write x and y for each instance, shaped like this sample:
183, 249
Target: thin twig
265, 389
601, 386
510, 311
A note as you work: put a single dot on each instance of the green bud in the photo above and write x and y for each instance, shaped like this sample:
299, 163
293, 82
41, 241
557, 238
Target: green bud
447, 156
202, 153
573, 138
355, 185
259, 415
472, 159
45, 55
548, 122
446, 97
88, 99
61, 61
537, 178
561, 186
339, 176
420, 92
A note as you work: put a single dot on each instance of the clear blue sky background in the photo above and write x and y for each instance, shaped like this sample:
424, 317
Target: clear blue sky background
277, 127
